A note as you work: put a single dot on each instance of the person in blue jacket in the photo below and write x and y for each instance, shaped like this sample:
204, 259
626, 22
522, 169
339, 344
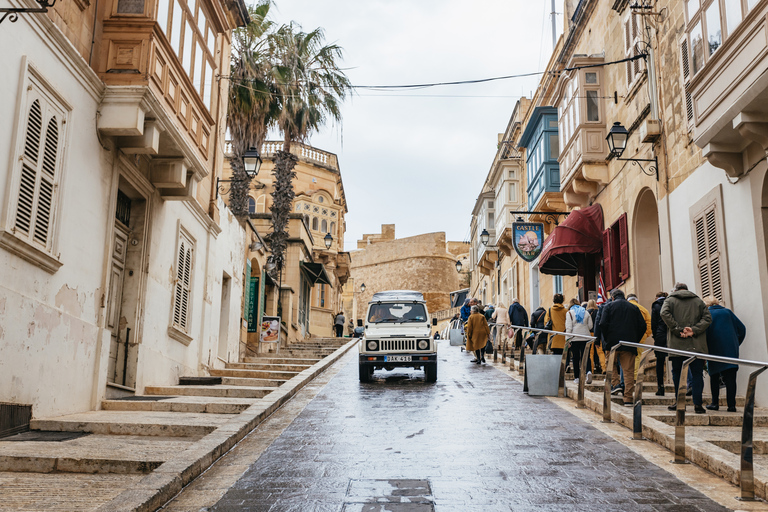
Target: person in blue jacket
466, 310
724, 335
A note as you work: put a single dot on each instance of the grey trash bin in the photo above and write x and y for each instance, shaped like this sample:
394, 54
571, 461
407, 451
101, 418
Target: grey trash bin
542, 371
456, 337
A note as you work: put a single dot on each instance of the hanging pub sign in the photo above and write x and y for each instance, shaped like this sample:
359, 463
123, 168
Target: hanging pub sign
528, 239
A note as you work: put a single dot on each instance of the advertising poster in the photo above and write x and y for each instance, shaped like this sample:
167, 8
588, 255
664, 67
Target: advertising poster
270, 329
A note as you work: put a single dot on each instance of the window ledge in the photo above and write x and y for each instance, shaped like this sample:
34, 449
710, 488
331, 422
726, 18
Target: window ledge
32, 254
180, 336
635, 87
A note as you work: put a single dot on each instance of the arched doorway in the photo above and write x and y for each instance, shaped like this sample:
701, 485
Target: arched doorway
647, 249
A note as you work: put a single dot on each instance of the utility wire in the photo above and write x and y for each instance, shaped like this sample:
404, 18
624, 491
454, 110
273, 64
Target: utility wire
469, 82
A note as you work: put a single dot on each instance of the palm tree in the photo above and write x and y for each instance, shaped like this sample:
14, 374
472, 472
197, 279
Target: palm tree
311, 88
252, 107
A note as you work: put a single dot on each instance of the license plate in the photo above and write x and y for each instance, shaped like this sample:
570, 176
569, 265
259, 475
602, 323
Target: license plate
399, 359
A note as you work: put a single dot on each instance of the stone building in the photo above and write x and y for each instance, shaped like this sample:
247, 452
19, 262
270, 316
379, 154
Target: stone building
312, 279
120, 268
425, 263
688, 81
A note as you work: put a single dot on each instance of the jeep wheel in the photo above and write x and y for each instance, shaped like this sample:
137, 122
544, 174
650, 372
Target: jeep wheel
430, 371
366, 372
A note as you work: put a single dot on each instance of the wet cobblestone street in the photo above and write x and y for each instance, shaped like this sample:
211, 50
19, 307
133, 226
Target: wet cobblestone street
471, 441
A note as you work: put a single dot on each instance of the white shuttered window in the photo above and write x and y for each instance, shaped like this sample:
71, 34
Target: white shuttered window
36, 174
632, 36
708, 253
183, 283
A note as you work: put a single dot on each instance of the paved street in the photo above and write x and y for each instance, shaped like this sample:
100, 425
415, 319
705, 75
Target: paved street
472, 441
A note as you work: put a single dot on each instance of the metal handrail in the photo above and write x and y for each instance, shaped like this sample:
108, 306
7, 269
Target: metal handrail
563, 361
747, 478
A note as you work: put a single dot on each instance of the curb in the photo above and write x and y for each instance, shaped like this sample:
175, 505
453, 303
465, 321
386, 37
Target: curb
159, 487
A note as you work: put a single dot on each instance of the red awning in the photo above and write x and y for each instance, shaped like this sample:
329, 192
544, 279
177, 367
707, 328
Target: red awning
579, 234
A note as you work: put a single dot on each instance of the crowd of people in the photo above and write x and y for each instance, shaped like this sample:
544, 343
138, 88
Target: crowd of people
680, 320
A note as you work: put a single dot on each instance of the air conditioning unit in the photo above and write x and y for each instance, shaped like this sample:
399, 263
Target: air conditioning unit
650, 130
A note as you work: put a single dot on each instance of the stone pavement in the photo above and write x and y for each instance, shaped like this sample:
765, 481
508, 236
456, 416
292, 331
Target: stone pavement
472, 441
140, 451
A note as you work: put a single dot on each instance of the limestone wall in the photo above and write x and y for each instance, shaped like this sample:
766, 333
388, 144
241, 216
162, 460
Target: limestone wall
420, 263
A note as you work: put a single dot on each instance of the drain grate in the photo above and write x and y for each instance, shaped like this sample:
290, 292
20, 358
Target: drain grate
143, 398
46, 436
389, 495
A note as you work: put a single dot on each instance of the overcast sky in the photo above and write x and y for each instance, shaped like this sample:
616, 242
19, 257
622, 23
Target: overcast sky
417, 159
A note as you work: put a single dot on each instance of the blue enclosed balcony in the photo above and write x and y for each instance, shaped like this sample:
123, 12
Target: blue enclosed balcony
543, 170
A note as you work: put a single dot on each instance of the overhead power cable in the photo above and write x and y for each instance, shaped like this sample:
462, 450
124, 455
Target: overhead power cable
476, 81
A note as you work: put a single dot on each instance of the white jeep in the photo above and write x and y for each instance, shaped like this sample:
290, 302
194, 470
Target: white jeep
397, 334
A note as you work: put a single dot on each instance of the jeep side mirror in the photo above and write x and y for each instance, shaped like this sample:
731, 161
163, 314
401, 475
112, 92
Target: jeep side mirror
434, 321
359, 322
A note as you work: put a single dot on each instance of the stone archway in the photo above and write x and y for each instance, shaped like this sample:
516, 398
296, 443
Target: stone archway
647, 249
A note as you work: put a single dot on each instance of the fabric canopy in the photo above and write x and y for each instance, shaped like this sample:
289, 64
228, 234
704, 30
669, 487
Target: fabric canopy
315, 272
580, 233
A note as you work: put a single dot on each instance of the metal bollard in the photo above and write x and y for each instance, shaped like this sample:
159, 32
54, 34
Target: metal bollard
637, 412
747, 479
580, 403
680, 414
607, 388
563, 362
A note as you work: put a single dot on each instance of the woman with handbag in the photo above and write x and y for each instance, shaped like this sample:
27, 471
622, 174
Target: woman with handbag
477, 334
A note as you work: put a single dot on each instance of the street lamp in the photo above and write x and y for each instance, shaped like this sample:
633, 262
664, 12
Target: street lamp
362, 287
13, 13
328, 240
617, 143
484, 235
458, 265
251, 164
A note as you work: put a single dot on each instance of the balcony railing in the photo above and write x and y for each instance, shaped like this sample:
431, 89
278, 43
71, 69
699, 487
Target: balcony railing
303, 151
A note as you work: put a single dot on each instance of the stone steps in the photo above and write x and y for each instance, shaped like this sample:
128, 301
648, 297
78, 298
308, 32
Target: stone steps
669, 399
211, 391
194, 404
252, 382
144, 423
286, 366
92, 454
273, 360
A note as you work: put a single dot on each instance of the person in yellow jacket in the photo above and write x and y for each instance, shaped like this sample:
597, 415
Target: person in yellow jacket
557, 314
632, 298
477, 334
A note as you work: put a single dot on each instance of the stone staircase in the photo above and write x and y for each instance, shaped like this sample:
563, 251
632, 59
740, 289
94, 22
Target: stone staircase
713, 440
137, 434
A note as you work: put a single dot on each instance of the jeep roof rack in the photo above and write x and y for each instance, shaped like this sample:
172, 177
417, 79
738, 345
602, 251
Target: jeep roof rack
401, 295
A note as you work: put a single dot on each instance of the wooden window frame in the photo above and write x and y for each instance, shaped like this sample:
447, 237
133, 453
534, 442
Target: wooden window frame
26, 245
711, 202
632, 32
699, 16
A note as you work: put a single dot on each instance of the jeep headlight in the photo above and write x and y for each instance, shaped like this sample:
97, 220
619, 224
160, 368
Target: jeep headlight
423, 344
373, 345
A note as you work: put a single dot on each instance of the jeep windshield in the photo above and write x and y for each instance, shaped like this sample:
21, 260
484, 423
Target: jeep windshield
396, 313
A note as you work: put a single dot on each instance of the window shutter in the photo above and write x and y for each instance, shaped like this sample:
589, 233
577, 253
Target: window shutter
182, 292
45, 197
30, 157
607, 260
708, 254
623, 248
685, 67
628, 50
635, 51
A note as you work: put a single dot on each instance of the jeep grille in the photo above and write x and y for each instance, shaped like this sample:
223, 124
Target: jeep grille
395, 345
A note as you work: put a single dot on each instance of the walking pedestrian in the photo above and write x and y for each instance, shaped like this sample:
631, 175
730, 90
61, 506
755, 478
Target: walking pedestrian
501, 319
466, 310
687, 319
537, 320
556, 314
578, 321
518, 316
477, 334
597, 350
338, 324
632, 298
724, 335
622, 321
659, 329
